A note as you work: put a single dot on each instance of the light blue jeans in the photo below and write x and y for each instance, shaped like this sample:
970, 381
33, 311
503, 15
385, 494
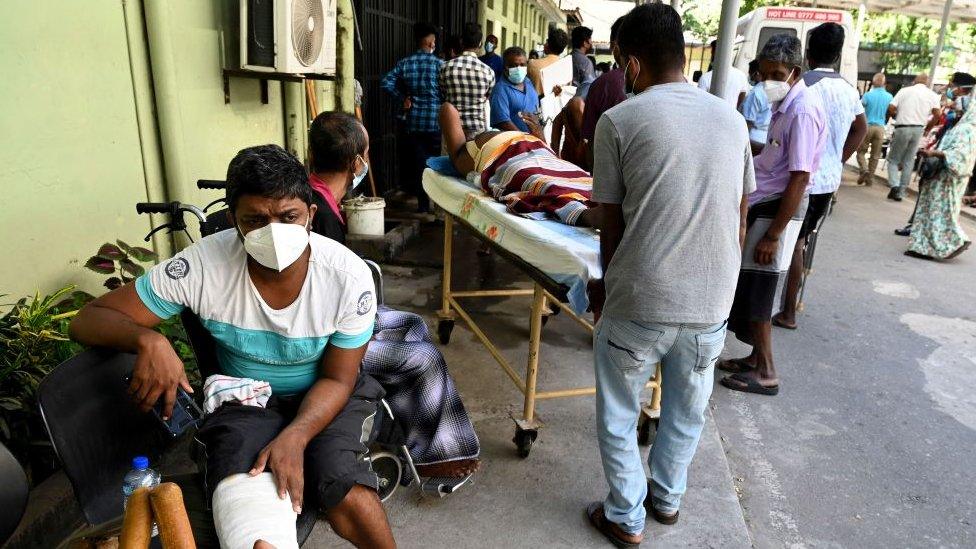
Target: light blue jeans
901, 152
626, 354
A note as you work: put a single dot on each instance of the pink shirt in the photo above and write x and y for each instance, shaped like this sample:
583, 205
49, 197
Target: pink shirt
321, 188
795, 141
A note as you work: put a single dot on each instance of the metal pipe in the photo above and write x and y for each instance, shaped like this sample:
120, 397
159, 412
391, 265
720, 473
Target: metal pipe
862, 12
345, 57
723, 54
296, 121
941, 42
142, 94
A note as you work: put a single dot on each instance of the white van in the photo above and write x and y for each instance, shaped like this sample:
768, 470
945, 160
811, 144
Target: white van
756, 27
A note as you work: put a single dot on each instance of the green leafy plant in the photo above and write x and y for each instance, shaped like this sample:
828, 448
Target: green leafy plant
33, 340
121, 261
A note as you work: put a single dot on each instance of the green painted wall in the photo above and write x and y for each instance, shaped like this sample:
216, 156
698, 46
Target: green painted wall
70, 160
72, 164
516, 22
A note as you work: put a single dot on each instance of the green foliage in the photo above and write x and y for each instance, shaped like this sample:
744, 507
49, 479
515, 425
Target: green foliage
907, 42
119, 259
702, 27
33, 340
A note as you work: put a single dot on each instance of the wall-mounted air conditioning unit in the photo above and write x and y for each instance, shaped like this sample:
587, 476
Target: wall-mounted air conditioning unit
289, 36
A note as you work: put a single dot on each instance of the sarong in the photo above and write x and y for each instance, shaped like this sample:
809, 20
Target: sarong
759, 285
419, 389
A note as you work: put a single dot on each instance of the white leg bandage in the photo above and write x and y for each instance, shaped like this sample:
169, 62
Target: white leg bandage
247, 509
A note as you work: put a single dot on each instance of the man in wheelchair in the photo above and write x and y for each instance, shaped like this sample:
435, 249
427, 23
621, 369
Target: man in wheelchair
285, 306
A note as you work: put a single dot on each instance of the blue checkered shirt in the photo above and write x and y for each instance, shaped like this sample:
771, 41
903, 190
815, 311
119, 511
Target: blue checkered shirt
415, 76
466, 83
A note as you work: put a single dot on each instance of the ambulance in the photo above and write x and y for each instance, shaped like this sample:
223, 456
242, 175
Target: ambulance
756, 27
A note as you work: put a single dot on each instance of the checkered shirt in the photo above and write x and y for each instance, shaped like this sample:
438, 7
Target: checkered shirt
415, 76
466, 83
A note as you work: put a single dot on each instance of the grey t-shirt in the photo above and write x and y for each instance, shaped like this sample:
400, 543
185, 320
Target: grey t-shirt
677, 160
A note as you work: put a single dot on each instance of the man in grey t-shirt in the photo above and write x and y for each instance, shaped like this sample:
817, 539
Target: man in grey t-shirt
673, 214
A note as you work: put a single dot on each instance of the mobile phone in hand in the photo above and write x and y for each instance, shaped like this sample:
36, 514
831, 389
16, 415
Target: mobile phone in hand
186, 413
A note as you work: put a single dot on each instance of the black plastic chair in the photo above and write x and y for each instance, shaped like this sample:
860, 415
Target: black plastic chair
13, 495
96, 430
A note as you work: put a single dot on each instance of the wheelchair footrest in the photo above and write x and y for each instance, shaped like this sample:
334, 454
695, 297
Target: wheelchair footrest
442, 486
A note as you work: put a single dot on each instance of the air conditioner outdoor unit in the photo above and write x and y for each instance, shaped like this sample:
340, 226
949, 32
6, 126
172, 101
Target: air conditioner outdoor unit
289, 36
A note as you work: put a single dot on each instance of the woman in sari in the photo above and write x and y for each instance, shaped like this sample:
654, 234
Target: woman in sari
937, 233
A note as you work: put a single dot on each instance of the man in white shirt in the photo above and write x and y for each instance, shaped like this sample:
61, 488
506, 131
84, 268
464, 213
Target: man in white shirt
915, 110
736, 83
846, 128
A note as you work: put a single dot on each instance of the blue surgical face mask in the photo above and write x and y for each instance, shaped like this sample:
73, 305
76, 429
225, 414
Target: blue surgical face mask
358, 178
516, 75
489, 47
950, 95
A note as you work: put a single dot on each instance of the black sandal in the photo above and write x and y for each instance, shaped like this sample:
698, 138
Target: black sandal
594, 514
751, 385
735, 366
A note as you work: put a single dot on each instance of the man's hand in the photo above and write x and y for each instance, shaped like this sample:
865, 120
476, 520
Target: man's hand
532, 121
597, 291
158, 372
285, 456
407, 104
766, 249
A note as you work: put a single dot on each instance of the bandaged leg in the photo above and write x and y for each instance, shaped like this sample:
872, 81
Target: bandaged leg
247, 509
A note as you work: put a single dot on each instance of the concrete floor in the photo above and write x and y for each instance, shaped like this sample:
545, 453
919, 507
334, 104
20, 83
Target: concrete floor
870, 442
538, 501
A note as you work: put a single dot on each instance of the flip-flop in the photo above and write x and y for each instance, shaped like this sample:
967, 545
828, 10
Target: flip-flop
751, 385
959, 250
604, 526
777, 321
735, 365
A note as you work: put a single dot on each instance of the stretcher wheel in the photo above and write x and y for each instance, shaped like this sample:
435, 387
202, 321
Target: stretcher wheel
523, 440
646, 429
388, 471
444, 329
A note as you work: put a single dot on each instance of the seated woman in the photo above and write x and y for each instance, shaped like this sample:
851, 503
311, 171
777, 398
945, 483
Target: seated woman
401, 355
521, 171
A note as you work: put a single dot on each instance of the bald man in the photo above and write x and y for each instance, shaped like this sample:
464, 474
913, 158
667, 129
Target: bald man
875, 104
916, 110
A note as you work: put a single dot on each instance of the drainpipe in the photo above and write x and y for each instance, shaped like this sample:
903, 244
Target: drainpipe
345, 57
152, 168
296, 127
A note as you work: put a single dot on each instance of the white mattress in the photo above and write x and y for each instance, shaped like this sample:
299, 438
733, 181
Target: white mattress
568, 255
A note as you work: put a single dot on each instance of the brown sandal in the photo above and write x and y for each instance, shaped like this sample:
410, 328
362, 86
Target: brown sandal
611, 531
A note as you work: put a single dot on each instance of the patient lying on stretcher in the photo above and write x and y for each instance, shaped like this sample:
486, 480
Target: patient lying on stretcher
521, 171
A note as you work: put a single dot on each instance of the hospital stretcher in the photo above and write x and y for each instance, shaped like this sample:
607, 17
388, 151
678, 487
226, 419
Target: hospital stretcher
559, 260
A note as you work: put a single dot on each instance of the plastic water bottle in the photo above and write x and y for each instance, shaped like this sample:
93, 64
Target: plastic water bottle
140, 476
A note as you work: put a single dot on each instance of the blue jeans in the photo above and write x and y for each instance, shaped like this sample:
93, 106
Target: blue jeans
626, 354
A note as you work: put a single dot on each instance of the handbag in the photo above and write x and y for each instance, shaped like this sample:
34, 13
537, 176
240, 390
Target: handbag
930, 168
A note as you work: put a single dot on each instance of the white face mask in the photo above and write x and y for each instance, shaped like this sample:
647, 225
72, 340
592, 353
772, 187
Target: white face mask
357, 178
277, 245
776, 91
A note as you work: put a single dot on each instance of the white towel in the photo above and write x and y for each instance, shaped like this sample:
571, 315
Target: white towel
219, 389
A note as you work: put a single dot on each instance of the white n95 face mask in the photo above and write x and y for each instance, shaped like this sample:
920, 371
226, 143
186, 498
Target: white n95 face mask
277, 245
776, 91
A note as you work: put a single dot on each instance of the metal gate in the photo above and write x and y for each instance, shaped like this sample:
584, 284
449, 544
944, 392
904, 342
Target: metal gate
385, 34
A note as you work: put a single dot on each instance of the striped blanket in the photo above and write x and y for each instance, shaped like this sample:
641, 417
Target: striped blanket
520, 171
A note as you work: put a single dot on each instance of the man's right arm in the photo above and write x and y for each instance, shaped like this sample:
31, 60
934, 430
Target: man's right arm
390, 81
608, 191
120, 320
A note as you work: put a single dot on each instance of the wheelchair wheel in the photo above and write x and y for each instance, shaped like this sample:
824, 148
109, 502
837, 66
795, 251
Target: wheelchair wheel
389, 470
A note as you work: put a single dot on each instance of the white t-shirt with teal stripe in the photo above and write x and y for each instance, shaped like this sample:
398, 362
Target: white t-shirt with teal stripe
337, 306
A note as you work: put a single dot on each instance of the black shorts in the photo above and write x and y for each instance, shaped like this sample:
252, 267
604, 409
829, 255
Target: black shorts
819, 204
335, 460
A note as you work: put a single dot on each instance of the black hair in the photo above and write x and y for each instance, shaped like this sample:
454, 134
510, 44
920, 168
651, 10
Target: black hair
963, 79
513, 51
615, 28
335, 138
753, 66
268, 171
824, 44
422, 30
557, 40
580, 35
533, 54
490, 36
471, 36
652, 32
713, 45
454, 44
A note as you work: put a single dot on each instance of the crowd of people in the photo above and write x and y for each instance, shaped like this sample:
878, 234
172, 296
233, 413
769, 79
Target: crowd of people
692, 246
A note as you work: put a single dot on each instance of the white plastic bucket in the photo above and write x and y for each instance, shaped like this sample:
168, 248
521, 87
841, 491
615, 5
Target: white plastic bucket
364, 214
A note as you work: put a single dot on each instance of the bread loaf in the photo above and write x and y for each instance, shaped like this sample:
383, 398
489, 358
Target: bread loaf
171, 517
